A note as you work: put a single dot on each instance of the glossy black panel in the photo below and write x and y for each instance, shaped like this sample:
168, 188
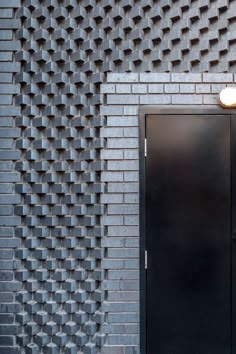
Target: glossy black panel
233, 188
188, 234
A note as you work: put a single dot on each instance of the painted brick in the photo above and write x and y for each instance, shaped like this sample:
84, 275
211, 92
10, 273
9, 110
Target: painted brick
122, 99
129, 328
130, 339
7, 264
10, 307
111, 154
131, 219
6, 56
115, 121
10, 45
6, 122
203, 88
5, 35
122, 187
111, 198
9, 24
126, 274
139, 88
123, 88
112, 110
5, 99
9, 132
6, 143
11, 199
113, 349
112, 220
9, 177
6, 210
6, 275
154, 77
6, 318
7, 340
123, 253
189, 77
131, 176
123, 230
122, 165
9, 67
120, 264
111, 132
10, 155
6, 13
222, 77
210, 99
131, 132
171, 88
110, 176
132, 350
9, 243
187, 88
6, 231
9, 220
155, 88
10, 286
120, 241
131, 110
216, 88
125, 285
107, 88
123, 317
9, 3
187, 99
5, 89
155, 99
6, 254
126, 77
9, 350
122, 209
131, 198
119, 143
6, 188
131, 154
6, 297
6, 165
5, 77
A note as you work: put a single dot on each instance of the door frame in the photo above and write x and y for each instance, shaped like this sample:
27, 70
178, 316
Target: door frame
176, 110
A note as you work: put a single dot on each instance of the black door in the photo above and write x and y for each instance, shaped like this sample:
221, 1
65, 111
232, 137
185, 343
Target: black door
188, 234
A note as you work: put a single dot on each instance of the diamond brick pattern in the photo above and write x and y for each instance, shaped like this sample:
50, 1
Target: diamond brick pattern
66, 49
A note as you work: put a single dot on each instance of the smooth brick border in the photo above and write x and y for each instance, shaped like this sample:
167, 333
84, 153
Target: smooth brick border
124, 94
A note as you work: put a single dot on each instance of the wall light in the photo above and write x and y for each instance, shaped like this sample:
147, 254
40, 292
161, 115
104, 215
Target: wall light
227, 97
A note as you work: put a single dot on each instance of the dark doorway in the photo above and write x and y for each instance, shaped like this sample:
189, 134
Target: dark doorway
188, 221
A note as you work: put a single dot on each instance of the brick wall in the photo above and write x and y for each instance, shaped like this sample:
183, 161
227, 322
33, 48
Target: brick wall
124, 95
69, 296
9, 285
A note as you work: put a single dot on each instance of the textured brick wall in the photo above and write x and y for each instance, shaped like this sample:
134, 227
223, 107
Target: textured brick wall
9, 285
72, 174
124, 95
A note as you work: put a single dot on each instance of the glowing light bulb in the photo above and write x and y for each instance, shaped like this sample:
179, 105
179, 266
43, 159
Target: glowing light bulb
227, 97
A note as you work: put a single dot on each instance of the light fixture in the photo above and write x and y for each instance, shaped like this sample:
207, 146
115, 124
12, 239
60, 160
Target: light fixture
227, 97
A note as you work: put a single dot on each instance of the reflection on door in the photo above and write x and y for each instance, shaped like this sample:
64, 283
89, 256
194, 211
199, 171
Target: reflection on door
188, 234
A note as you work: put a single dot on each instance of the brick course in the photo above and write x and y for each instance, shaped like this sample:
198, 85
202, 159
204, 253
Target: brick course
122, 207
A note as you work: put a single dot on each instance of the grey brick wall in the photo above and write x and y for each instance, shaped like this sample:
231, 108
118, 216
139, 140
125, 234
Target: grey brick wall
9, 284
69, 222
122, 185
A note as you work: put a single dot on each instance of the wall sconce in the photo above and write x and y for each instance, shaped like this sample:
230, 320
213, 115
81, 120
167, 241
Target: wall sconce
227, 97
